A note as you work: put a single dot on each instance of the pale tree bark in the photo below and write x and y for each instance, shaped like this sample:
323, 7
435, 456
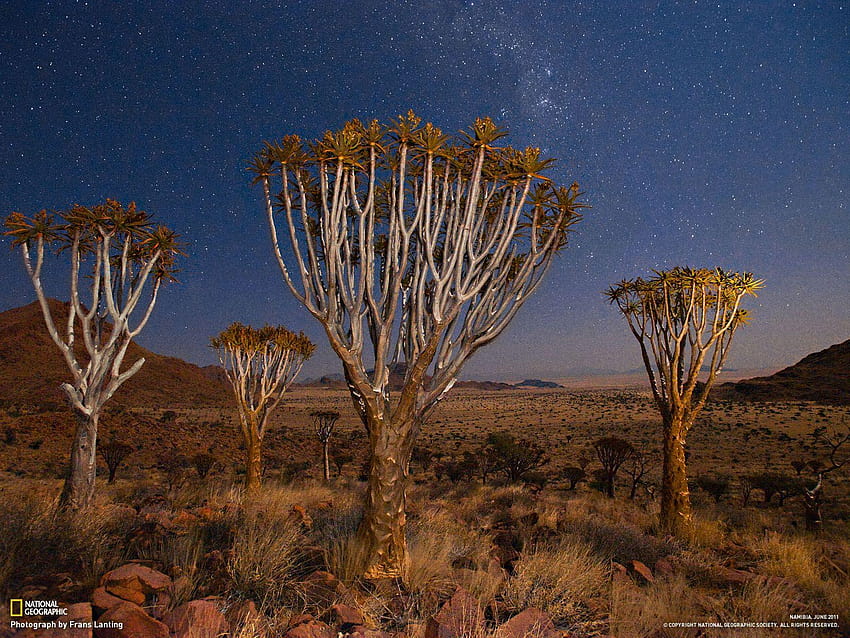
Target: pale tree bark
122, 251
423, 249
684, 320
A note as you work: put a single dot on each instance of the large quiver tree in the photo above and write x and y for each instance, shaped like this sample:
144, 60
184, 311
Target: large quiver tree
119, 259
684, 320
423, 246
260, 364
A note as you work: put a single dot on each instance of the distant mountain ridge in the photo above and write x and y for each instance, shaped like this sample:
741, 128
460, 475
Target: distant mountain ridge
337, 380
32, 368
822, 377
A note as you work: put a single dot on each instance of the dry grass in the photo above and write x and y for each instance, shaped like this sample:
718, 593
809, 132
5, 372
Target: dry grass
564, 567
560, 580
264, 562
640, 611
38, 541
803, 561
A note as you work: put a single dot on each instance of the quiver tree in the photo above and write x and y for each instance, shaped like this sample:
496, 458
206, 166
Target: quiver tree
260, 364
323, 423
114, 453
425, 247
684, 320
612, 452
119, 259
636, 468
833, 441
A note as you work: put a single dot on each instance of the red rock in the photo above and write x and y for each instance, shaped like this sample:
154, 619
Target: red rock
135, 583
239, 613
129, 621
324, 589
196, 619
664, 567
183, 519
102, 600
726, 576
299, 619
494, 569
460, 616
312, 629
359, 631
313, 558
205, 513
247, 620
345, 617
141, 585
531, 622
642, 571
300, 514
620, 576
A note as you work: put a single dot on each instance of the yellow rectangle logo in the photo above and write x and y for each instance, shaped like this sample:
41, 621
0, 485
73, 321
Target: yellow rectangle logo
16, 607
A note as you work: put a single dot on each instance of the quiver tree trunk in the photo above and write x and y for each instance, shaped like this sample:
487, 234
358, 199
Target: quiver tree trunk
254, 469
609, 485
382, 531
811, 502
676, 516
326, 464
78, 491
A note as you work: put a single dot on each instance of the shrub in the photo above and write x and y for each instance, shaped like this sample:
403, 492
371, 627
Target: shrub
574, 475
341, 459
514, 457
203, 462
173, 464
294, 471
715, 486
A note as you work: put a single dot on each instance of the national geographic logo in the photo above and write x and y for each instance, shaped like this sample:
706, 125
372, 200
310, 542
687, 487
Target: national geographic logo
19, 608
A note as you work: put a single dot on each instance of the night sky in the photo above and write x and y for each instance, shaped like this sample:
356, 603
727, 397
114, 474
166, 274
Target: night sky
702, 133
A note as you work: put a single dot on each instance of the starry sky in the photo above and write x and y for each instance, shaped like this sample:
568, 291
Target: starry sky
703, 133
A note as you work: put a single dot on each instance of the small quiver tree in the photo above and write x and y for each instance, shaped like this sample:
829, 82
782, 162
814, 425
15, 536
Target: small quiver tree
833, 441
424, 245
118, 260
612, 452
114, 453
260, 365
684, 320
323, 423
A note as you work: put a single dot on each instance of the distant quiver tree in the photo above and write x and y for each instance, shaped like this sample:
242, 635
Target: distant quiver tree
684, 320
260, 365
422, 245
120, 257
324, 422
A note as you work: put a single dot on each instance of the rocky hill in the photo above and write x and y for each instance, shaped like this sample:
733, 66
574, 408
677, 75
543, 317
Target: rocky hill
823, 377
32, 369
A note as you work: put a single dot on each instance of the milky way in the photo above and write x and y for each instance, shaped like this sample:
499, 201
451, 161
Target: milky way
702, 133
